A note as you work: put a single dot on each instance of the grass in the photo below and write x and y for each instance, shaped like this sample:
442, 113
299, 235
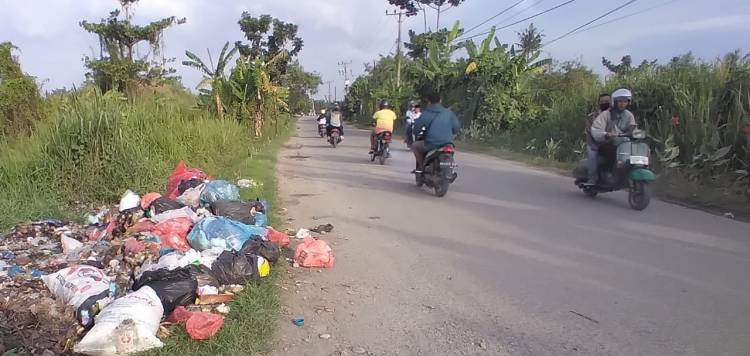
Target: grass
94, 147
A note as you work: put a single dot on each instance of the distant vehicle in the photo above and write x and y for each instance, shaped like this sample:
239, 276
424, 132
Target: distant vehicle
627, 168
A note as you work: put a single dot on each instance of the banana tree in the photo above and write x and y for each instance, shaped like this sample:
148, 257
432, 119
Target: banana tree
213, 77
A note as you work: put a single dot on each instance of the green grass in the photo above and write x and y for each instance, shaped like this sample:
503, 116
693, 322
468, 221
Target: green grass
94, 147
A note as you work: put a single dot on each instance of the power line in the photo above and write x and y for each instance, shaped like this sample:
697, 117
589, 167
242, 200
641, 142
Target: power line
626, 16
521, 12
590, 22
494, 17
521, 20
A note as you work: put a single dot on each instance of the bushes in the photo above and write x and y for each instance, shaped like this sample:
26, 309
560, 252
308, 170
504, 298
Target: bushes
19, 97
95, 146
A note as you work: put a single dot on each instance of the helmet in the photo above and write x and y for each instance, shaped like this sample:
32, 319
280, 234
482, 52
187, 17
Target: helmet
384, 104
622, 94
336, 107
322, 111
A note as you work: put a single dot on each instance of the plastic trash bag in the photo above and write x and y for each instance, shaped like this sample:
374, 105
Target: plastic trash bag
174, 287
261, 219
314, 253
129, 200
238, 210
127, 325
69, 244
191, 197
84, 287
220, 232
189, 184
162, 204
265, 249
279, 238
233, 267
201, 325
173, 233
184, 212
219, 190
148, 199
302, 234
204, 276
180, 174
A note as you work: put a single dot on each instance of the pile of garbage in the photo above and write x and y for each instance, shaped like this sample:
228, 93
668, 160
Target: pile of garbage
110, 286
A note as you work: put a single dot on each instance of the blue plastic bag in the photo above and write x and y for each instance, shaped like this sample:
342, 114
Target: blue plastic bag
218, 190
220, 232
261, 219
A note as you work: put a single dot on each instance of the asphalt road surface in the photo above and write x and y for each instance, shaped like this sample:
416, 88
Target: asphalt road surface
513, 261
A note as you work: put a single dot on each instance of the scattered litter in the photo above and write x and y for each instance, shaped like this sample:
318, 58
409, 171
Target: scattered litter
201, 326
302, 234
129, 201
222, 308
729, 215
323, 229
324, 336
247, 183
279, 238
298, 321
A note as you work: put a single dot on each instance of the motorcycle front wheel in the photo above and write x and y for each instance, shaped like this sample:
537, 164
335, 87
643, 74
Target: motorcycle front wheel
639, 195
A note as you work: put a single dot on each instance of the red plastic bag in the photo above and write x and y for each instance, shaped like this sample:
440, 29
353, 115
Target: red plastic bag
143, 225
179, 315
202, 326
182, 173
173, 233
279, 238
314, 253
148, 199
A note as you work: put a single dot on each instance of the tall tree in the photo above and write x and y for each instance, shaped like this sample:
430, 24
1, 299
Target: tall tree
530, 40
267, 37
412, 7
117, 66
301, 85
214, 77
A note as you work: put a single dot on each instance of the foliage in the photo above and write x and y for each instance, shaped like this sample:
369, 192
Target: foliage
412, 7
19, 95
267, 38
301, 85
117, 67
213, 78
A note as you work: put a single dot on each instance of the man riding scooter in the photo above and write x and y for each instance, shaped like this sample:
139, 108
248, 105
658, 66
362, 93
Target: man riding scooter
333, 120
606, 129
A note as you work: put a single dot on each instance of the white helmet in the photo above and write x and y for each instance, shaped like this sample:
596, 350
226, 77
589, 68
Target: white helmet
322, 111
621, 94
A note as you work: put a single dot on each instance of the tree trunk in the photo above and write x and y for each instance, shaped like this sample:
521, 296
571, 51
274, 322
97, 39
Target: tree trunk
219, 105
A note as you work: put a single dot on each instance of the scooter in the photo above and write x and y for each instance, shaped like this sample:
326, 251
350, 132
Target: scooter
382, 151
629, 170
439, 170
334, 138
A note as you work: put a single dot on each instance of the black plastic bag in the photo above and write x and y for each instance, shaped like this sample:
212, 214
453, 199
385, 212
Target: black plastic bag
91, 307
233, 267
187, 184
174, 288
204, 276
238, 210
265, 249
163, 204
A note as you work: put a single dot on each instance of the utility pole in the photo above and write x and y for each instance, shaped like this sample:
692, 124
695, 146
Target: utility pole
329, 90
346, 72
400, 15
335, 93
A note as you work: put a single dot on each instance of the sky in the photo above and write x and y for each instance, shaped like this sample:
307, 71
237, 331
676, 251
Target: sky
52, 44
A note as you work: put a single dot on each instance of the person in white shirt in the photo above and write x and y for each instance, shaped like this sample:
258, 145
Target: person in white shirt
411, 116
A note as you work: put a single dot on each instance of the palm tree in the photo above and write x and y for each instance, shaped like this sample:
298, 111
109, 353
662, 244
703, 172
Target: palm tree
530, 40
213, 77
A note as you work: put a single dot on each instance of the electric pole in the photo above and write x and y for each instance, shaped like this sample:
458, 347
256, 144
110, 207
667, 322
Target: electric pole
329, 90
400, 15
346, 72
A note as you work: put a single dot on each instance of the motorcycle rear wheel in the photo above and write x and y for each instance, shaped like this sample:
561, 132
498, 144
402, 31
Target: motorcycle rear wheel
383, 154
441, 189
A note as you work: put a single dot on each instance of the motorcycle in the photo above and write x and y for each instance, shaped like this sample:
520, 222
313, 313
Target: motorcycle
322, 130
629, 170
439, 170
334, 138
382, 151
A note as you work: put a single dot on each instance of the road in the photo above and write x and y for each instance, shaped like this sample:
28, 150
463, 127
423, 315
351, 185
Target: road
513, 261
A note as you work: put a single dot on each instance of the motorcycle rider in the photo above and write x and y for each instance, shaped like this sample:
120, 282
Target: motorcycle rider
333, 119
437, 127
384, 119
611, 123
592, 147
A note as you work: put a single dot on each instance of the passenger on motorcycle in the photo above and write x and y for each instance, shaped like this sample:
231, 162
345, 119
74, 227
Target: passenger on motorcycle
411, 116
592, 147
436, 127
611, 123
384, 119
333, 120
